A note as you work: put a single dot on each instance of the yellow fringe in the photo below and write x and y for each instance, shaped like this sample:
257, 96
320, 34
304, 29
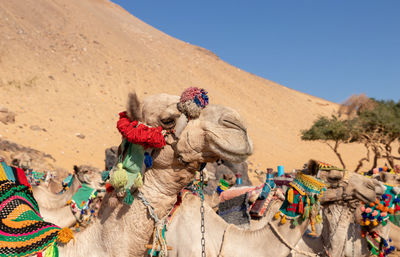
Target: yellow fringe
290, 195
277, 215
65, 235
283, 220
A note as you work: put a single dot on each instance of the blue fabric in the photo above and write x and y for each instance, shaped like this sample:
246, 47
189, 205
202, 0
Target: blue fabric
148, 160
8, 171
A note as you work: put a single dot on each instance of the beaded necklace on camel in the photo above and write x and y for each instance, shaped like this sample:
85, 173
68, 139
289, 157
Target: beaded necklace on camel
378, 213
302, 201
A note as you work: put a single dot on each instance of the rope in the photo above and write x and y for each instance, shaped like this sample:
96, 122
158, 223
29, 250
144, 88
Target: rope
221, 249
291, 247
159, 226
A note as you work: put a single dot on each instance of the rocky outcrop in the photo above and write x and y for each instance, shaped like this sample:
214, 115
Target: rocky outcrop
6, 116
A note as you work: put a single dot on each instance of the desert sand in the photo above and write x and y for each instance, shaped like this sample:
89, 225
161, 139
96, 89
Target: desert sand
66, 68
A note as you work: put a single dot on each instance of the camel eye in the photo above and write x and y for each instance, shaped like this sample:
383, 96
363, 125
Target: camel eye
169, 122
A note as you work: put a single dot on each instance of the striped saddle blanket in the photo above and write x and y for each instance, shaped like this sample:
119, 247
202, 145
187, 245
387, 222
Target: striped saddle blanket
23, 231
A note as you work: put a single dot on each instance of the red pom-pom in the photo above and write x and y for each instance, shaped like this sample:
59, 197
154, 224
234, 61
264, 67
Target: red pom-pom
39, 254
109, 188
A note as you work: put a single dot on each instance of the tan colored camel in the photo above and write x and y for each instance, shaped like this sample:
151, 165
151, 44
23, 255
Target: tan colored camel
341, 235
53, 207
223, 239
120, 230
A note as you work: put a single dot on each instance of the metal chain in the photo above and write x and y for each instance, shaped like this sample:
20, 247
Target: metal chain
202, 228
353, 237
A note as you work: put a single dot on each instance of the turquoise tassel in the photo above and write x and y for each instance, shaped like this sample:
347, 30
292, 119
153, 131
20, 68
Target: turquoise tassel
128, 198
155, 253
105, 175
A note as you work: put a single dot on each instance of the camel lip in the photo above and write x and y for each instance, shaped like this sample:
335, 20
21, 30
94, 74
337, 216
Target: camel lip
364, 198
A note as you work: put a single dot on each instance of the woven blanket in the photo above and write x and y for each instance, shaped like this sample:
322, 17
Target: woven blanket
22, 230
235, 211
236, 191
395, 219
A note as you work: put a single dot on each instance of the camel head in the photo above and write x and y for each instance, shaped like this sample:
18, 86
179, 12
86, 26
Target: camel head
389, 178
89, 175
355, 186
217, 132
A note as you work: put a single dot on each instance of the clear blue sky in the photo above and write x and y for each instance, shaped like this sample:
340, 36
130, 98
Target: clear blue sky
327, 48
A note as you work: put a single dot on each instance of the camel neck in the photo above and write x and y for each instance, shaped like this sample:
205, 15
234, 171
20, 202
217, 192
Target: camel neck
117, 220
161, 187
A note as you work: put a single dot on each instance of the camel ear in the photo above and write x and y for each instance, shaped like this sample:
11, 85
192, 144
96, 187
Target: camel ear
133, 108
76, 169
312, 167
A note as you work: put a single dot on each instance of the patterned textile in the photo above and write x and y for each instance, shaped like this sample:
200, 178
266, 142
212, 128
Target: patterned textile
308, 185
82, 205
377, 244
378, 212
327, 166
35, 178
385, 208
302, 200
395, 219
22, 230
236, 191
260, 206
235, 211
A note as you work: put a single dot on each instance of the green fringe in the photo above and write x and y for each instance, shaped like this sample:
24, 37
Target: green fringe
128, 198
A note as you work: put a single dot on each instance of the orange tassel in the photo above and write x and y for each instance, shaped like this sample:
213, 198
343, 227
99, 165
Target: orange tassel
301, 205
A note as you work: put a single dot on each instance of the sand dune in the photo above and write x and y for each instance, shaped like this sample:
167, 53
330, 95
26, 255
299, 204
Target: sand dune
67, 66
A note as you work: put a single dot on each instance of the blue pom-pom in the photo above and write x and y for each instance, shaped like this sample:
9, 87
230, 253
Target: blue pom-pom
91, 211
364, 215
148, 160
379, 219
380, 169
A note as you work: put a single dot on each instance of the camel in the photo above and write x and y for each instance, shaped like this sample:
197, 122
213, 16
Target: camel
53, 207
121, 230
340, 232
269, 239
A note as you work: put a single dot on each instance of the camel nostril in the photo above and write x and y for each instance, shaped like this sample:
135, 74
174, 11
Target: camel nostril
232, 122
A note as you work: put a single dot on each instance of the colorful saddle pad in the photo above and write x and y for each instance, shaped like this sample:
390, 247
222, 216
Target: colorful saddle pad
23, 231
